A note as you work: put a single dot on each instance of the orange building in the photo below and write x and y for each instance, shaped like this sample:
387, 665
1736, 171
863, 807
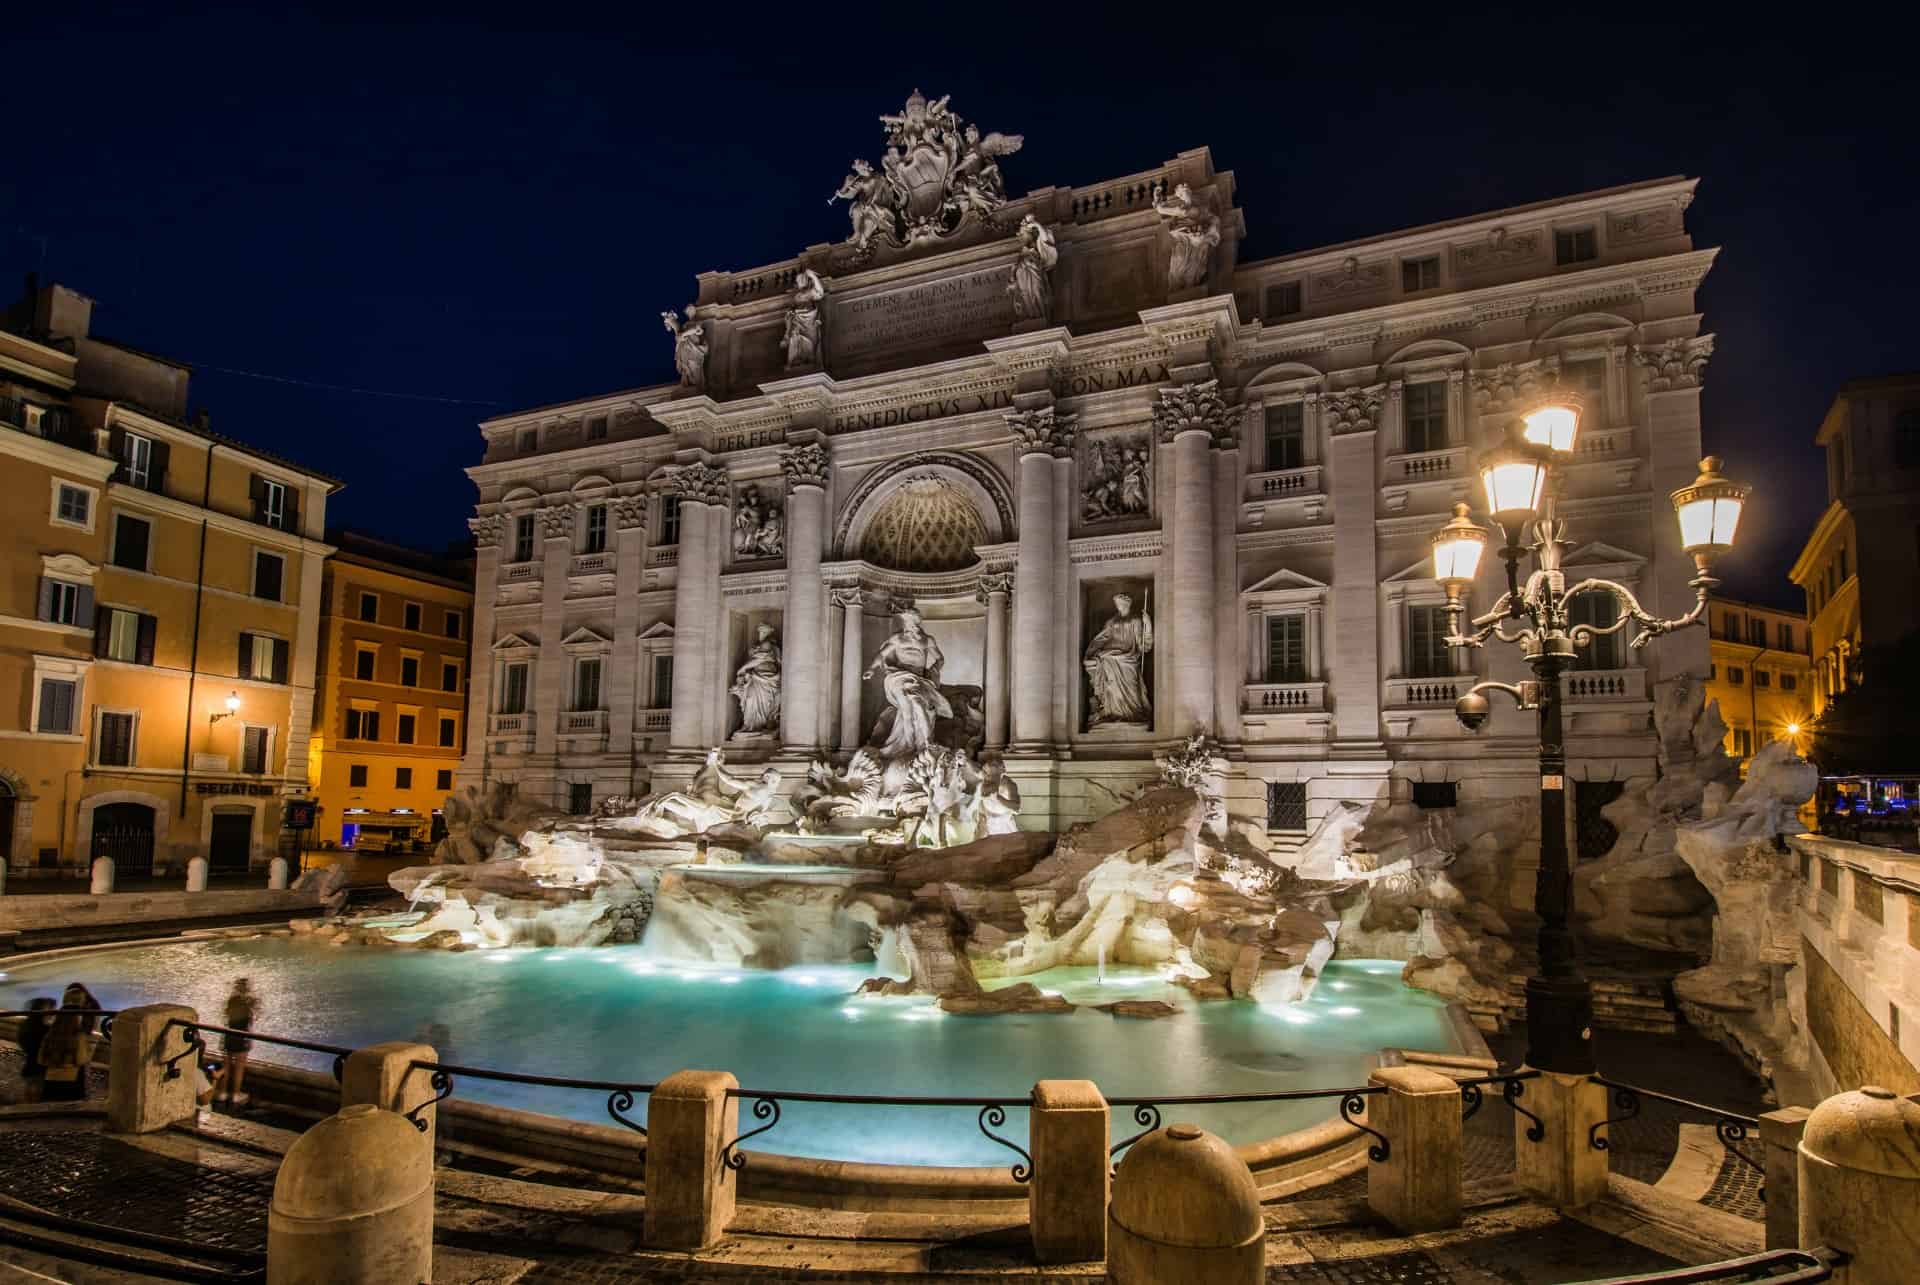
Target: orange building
159, 611
390, 722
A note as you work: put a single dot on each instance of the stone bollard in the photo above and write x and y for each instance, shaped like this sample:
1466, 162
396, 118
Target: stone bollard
102, 877
383, 1075
196, 874
1417, 1187
1860, 1184
1067, 1191
1185, 1209
1780, 1153
353, 1204
1563, 1169
140, 1096
690, 1192
277, 874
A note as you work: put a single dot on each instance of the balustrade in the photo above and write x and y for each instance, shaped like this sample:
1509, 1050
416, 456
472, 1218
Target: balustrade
575, 722
656, 720
1284, 698
508, 724
1586, 686
1284, 483
1403, 693
1430, 465
667, 557
519, 572
590, 564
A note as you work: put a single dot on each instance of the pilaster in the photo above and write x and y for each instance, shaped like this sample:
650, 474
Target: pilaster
850, 602
805, 616
1034, 619
623, 683
306, 652
1228, 640
487, 532
550, 674
1675, 371
696, 642
1353, 486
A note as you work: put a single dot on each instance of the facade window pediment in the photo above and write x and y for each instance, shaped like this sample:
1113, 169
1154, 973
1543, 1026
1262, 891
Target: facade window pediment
586, 642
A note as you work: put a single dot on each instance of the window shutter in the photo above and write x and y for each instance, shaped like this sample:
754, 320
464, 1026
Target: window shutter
130, 542
292, 508
102, 632
279, 660
46, 599
143, 648
83, 607
56, 705
157, 467
257, 492
117, 447
245, 668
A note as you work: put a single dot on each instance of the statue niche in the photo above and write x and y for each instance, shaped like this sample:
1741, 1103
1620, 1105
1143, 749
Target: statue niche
1118, 656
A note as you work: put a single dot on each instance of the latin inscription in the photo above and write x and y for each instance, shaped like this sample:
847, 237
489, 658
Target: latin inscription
742, 440
933, 312
933, 408
1083, 382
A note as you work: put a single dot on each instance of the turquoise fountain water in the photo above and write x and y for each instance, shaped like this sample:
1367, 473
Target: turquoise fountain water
613, 1014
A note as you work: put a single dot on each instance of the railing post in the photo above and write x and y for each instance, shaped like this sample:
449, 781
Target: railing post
1860, 1184
141, 1098
383, 1075
690, 1189
1780, 1136
1067, 1190
1417, 1187
1561, 1167
353, 1203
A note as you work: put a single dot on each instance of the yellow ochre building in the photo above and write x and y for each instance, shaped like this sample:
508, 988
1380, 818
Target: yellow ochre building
159, 611
390, 726
1761, 675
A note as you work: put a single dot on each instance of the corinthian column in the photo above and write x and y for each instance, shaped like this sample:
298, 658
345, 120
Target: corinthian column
806, 469
1035, 614
994, 589
849, 600
696, 634
1188, 418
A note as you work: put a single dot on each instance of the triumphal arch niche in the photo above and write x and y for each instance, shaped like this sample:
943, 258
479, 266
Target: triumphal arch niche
1058, 479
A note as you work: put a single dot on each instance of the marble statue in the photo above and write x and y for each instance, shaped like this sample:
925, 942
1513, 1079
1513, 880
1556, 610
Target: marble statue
802, 338
759, 529
689, 348
1030, 285
756, 685
994, 807
909, 664
1114, 481
937, 170
1113, 664
1195, 231
675, 815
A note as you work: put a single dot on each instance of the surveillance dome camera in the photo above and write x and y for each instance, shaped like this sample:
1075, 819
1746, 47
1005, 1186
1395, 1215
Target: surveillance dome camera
1472, 710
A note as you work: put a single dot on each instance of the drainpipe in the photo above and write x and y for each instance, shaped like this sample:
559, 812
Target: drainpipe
193, 662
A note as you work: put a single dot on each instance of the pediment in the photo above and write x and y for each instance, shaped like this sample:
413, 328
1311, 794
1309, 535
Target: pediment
1417, 572
515, 642
658, 629
586, 638
1284, 580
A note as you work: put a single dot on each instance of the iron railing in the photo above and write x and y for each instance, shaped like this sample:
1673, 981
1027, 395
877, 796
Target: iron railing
1512, 1089
1146, 1111
1775, 1267
196, 1046
621, 1095
766, 1106
1729, 1127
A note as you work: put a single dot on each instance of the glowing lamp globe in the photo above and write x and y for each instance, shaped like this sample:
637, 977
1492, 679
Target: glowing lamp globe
1709, 512
1457, 547
1554, 424
233, 703
1514, 477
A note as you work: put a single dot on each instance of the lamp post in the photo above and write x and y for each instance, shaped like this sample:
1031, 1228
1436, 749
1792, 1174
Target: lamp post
1515, 476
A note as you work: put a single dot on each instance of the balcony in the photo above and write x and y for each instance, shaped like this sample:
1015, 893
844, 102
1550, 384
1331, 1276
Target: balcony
1430, 466
667, 557
1427, 693
509, 724
583, 722
1284, 698
656, 720
520, 572
1284, 484
1598, 686
591, 564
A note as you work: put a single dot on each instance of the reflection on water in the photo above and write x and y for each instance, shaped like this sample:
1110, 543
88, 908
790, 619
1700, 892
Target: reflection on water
612, 1014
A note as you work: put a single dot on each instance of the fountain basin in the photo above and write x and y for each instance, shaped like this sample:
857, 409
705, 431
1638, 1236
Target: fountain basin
612, 1013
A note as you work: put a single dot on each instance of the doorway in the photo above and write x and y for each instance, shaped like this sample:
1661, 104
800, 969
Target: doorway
124, 832
230, 849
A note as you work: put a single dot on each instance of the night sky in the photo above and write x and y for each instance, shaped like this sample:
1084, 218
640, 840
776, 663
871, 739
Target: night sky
487, 213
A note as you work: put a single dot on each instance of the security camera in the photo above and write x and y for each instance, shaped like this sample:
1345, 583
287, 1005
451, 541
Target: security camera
1472, 710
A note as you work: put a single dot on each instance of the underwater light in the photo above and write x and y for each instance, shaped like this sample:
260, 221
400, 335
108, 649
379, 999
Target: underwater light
1345, 1010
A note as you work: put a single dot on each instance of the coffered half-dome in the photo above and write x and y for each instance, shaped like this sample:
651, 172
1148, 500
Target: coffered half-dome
928, 524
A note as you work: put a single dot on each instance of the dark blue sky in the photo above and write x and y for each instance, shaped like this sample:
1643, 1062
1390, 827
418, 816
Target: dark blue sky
496, 208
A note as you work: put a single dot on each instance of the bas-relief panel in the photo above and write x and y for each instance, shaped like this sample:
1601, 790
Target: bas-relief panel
1115, 478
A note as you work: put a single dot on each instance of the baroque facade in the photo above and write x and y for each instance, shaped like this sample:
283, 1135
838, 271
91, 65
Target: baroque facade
1013, 415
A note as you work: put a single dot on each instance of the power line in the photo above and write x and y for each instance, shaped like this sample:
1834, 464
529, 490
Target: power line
343, 388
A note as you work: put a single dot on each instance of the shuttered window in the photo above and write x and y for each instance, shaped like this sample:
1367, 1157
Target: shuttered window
63, 602
263, 658
114, 745
119, 634
131, 538
269, 570
363, 725
449, 732
253, 751
57, 699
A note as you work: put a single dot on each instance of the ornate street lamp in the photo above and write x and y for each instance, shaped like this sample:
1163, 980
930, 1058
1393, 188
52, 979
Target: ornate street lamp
1514, 477
233, 707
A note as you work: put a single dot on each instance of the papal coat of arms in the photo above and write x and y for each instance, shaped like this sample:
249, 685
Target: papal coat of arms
937, 173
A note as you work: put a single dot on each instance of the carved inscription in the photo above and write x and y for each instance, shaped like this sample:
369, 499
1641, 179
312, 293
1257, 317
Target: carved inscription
933, 408
974, 304
1082, 382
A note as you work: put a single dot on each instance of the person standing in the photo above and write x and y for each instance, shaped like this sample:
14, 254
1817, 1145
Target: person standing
33, 1034
65, 1054
235, 1045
